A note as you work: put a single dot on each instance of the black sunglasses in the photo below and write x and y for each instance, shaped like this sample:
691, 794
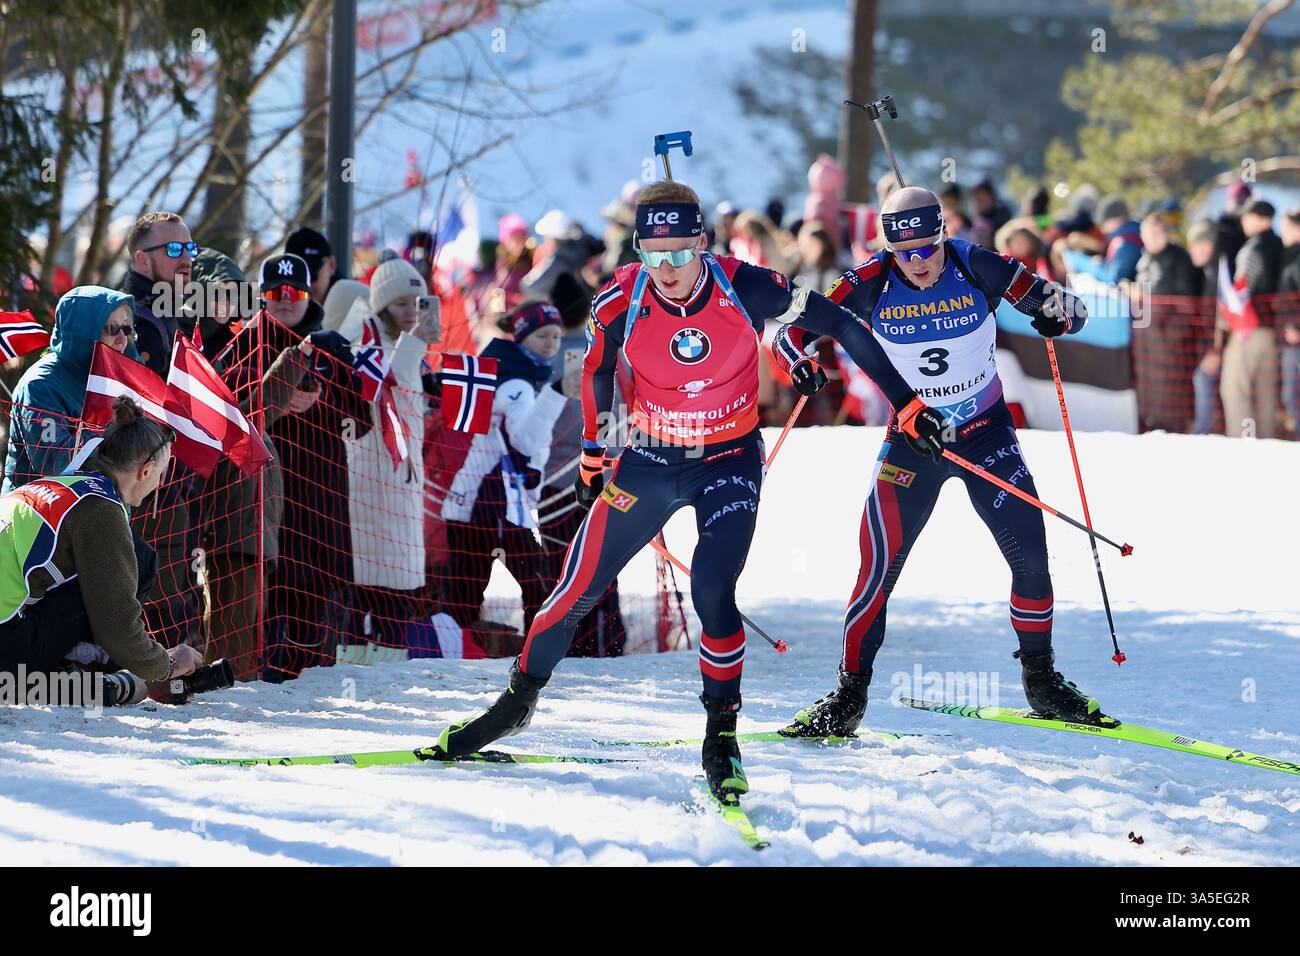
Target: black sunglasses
171, 437
174, 249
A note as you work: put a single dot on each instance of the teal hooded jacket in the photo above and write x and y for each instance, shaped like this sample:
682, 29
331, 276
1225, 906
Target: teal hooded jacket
49, 396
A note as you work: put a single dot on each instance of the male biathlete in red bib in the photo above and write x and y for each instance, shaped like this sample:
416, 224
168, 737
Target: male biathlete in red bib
689, 325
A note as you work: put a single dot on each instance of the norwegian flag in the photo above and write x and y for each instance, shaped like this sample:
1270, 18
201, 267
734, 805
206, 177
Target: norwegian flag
371, 362
377, 383
469, 384
113, 374
195, 390
1238, 310
20, 333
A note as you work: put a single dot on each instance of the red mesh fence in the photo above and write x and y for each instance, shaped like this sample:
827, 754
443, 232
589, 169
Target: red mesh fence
1179, 365
338, 551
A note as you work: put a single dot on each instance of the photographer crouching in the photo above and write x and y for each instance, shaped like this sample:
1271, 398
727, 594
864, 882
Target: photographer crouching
72, 575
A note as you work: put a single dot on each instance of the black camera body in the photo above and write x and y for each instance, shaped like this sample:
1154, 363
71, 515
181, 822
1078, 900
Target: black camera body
215, 676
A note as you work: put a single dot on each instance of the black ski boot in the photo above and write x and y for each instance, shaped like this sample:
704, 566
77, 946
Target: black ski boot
838, 714
721, 753
508, 715
1051, 695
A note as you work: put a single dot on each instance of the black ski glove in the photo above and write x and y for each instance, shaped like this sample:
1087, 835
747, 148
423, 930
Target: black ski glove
923, 428
1058, 313
591, 477
808, 376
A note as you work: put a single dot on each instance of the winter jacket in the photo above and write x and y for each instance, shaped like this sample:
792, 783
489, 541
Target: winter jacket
501, 475
1167, 272
1123, 249
49, 396
91, 544
386, 504
311, 445
154, 333
1260, 261
229, 499
211, 267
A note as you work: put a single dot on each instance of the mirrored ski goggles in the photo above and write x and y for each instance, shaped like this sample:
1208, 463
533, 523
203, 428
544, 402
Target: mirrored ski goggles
285, 293
921, 254
675, 257
174, 249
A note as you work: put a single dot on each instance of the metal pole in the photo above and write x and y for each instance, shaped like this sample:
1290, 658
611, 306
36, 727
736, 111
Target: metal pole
342, 127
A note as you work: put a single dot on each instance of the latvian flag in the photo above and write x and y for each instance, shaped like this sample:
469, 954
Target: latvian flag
20, 333
113, 374
469, 384
195, 390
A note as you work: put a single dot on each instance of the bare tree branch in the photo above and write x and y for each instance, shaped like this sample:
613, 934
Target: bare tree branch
1239, 52
1246, 103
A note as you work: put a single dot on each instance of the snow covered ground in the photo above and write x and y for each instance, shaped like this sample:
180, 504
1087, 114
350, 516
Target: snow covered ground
1205, 610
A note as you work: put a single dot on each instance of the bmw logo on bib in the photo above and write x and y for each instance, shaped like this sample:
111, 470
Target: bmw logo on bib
689, 346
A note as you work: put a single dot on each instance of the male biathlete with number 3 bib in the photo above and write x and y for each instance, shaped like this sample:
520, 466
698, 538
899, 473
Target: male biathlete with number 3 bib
688, 324
930, 301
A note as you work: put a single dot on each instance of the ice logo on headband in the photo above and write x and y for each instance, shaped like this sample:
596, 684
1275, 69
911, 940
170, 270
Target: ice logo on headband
912, 223
669, 219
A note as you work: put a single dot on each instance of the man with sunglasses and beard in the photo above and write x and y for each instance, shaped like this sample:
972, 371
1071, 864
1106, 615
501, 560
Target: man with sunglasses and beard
929, 301
161, 249
161, 252
689, 324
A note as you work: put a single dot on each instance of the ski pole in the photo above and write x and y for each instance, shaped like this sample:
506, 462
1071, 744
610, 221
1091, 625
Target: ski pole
1118, 657
873, 109
780, 646
803, 400
1123, 549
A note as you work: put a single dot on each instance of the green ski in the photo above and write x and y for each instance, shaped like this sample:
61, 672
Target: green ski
393, 758
735, 816
757, 736
1116, 730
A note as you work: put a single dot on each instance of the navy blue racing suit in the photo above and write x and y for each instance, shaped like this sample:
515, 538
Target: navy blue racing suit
941, 340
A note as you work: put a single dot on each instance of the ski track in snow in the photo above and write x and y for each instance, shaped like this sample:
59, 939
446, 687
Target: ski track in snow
1204, 610
106, 791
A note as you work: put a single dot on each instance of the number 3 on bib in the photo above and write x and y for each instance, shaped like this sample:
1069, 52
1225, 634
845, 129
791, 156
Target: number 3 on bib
937, 359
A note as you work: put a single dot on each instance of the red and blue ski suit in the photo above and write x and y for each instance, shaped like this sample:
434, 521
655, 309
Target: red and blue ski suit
941, 340
694, 440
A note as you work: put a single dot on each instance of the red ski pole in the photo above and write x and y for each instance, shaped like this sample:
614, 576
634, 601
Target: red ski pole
1118, 657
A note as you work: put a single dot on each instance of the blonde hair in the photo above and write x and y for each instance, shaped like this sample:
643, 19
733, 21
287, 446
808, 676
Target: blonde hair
667, 190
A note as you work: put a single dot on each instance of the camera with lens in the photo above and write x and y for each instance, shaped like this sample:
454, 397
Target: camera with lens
215, 676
